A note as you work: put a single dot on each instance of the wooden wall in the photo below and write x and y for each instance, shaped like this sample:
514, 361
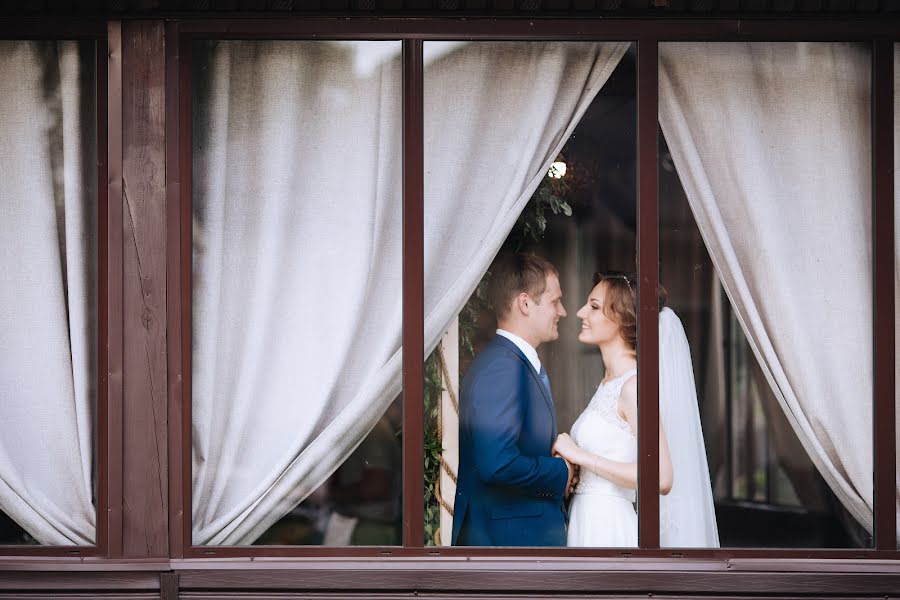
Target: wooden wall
145, 463
144, 381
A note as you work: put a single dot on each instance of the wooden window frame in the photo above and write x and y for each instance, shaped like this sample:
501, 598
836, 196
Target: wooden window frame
646, 34
173, 566
108, 432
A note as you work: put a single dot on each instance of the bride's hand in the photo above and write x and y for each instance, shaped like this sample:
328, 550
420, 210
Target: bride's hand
566, 447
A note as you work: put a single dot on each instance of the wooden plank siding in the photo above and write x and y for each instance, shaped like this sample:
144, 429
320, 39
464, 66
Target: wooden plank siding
500, 8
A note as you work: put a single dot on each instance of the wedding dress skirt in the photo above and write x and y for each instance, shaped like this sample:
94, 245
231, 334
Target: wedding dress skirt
602, 514
602, 521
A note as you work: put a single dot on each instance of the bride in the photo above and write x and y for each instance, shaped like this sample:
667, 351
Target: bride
603, 442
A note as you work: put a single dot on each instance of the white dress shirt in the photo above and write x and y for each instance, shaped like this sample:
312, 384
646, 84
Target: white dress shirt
526, 348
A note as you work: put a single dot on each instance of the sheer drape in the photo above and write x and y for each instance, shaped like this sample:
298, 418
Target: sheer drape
296, 271
772, 144
496, 115
48, 289
297, 307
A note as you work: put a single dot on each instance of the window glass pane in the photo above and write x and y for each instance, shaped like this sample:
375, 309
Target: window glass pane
765, 249
48, 295
296, 293
529, 152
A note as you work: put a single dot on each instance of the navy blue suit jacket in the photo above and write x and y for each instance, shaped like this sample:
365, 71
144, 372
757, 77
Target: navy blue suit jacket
510, 490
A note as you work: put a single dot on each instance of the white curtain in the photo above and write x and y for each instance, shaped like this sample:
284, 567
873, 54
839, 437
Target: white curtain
496, 115
48, 289
297, 282
772, 144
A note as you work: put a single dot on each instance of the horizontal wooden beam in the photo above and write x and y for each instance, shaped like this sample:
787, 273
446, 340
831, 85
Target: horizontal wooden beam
862, 29
596, 577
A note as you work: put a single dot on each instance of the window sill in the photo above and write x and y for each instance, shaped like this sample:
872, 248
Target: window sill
574, 575
550, 575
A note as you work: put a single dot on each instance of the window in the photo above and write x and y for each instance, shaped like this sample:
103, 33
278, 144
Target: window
553, 179
474, 147
773, 166
50, 388
386, 140
296, 235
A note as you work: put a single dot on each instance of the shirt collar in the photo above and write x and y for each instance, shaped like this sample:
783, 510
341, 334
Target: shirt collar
526, 348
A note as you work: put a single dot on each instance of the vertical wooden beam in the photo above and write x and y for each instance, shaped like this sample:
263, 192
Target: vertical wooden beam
174, 305
449, 414
884, 399
110, 447
145, 485
168, 586
413, 298
648, 307
101, 59
729, 402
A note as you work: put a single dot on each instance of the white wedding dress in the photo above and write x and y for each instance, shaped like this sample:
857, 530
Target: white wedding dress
602, 514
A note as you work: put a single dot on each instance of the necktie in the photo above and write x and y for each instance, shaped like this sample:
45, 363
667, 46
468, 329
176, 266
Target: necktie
546, 381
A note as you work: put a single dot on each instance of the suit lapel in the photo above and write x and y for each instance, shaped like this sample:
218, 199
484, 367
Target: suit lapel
506, 343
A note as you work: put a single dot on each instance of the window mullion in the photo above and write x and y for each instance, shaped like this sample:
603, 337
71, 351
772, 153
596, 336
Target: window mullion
413, 296
885, 444
648, 308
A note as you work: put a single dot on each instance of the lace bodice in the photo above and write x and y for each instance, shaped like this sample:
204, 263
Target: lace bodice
601, 431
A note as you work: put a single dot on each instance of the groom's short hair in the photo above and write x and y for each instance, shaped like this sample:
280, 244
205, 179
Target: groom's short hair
516, 273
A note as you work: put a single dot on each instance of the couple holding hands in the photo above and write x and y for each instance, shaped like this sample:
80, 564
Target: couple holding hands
516, 472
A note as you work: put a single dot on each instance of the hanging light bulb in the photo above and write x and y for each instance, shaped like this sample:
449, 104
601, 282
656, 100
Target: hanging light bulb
557, 170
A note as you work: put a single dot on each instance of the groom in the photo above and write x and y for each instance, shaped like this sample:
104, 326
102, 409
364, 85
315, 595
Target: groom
510, 490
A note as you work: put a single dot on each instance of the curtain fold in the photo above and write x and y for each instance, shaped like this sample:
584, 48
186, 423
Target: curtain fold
496, 115
48, 293
776, 166
297, 224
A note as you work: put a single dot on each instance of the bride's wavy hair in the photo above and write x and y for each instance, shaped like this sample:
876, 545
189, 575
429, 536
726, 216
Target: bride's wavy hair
620, 303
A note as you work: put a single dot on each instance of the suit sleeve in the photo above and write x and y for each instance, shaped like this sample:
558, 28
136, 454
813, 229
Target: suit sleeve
495, 420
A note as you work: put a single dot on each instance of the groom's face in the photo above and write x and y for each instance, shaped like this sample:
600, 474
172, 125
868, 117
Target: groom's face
545, 314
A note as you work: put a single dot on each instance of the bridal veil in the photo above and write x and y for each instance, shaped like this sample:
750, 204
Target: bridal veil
687, 516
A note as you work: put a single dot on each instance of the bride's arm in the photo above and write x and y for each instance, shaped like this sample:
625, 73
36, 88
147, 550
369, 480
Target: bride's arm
623, 474
628, 406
